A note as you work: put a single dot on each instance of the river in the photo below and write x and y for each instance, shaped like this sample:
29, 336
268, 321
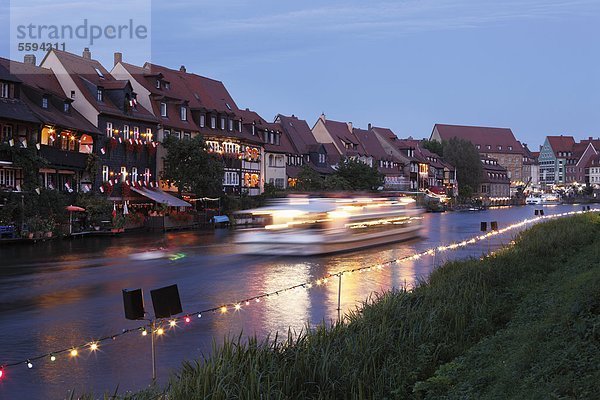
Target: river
62, 293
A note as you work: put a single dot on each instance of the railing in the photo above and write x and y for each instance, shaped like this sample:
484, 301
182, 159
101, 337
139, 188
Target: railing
63, 158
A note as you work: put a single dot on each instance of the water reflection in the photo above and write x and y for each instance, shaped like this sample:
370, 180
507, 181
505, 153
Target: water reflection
63, 293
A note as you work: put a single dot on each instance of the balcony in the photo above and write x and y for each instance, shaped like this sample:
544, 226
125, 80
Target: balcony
63, 158
5, 153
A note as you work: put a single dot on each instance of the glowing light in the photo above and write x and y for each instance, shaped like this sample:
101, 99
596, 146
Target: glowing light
144, 332
223, 310
309, 285
74, 353
94, 346
160, 331
172, 323
257, 300
199, 315
318, 282
187, 319
29, 364
1, 373
247, 303
52, 357
237, 306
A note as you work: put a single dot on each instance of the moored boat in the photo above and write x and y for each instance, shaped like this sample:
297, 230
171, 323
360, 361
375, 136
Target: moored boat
313, 226
544, 199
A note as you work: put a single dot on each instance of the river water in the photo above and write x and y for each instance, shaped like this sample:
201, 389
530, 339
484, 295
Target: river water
62, 293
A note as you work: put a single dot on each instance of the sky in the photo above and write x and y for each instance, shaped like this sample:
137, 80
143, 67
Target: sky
530, 65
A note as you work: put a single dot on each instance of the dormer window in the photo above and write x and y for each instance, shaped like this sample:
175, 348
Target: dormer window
240, 125
510, 148
100, 94
66, 107
253, 130
44, 102
202, 120
228, 106
100, 74
183, 113
478, 147
167, 85
158, 83
4, 90
499, 147
230, 125
223, 123
163, 109
213, 122
489, 147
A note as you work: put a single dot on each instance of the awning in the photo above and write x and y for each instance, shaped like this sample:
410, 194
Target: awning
161, 197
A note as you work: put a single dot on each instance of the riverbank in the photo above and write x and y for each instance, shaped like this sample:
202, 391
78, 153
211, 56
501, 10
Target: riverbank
520, 324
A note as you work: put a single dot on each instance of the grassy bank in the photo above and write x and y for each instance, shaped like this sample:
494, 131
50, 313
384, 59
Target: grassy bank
522, 324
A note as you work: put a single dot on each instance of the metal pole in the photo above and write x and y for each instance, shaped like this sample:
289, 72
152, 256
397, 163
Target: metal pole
339, 309
152, 326
434, 255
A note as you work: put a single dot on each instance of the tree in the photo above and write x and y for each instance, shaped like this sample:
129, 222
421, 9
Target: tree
433, 146
309, 180
463, 155
359, 175
191, 168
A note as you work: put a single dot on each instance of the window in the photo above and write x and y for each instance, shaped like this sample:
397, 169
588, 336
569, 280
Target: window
167, 85
231, 178
4, 90
123, 174
166, 133
487, 146
158, 83
177, 134
109, 129
105, 173
202, 120
271, 160
72, 143
253, 129
499, 147
478, 147
44, 102
66, 107
163, 109
100, 74
322, 158
213, 122
277, 139
6, 133
100, 94
7, 177
510, 148
187, 135
64, 138
147, 175
136, 132
183, 113
72, 94
230, 125
134, 174
222, 123
149, 134
125, 131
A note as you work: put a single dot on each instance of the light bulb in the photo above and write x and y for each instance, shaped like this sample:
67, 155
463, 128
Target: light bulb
160, 331
172, 323
52, 357
144, 332
94, 346
187, 319
29, 364
74, 353
237, 306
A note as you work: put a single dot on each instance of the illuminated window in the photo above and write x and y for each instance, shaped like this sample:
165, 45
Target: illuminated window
126, 131
163, 109
109, 129
105, 173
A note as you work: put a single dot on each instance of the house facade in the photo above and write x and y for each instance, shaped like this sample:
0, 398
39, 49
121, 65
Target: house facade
404, 152
341, 136
531, 169
387, 164
583, 152
495, 183
553, 157
126, 145
497, 143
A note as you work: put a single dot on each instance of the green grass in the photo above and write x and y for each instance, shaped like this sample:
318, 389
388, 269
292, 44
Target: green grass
522, 324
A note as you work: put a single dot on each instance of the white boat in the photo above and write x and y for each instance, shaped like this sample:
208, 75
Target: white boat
312, 226
544, 199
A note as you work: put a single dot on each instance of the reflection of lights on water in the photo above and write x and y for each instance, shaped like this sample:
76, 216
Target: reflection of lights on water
177, 256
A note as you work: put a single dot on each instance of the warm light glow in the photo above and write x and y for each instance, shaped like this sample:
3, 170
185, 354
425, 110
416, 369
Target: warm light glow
237, 306
187, 319
160, 331
257, 300
29, 364
52, 357
144, 332
223, 310
74, 353
94, 346
172, 323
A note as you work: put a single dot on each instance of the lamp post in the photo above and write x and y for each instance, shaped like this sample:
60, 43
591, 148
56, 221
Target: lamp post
22, 213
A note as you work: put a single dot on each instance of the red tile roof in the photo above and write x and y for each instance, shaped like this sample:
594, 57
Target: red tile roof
500, 140
340, 132
561, 143
86, 72
298, 132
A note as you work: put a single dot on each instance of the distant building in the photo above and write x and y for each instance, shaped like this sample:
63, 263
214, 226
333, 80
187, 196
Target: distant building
403, 151
531, 169
498, 143
554, 154
495, 184
386, 163
341, 135
583, 151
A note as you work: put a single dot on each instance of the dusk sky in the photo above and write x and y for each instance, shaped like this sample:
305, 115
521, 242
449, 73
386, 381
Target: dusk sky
531, 65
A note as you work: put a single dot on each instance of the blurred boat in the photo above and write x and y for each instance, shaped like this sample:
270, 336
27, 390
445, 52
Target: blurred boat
312, 226
544, 199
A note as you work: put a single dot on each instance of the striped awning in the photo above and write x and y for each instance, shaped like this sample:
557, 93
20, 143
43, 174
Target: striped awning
161, 197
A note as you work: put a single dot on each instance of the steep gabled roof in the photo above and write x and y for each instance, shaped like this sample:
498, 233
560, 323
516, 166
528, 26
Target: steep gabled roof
561, 144
341, 134
499, 140
87, 74
371, 145
38, 82
298, 132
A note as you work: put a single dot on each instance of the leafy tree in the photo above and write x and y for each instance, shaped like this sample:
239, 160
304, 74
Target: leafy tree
465, 158
309, 180
191, 168
359, 176
335, 182
434, 146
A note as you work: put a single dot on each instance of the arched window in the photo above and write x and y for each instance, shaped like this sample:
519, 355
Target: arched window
271, 164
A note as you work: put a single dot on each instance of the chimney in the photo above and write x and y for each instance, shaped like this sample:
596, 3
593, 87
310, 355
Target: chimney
349, 126
182, 69
322, 117
87, 54
118, 58
29, 59
370, 126
590, 138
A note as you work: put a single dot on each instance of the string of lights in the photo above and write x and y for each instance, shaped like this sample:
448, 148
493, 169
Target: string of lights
161, 326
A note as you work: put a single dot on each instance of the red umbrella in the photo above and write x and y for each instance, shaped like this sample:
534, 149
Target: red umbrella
72, 209
75, 209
